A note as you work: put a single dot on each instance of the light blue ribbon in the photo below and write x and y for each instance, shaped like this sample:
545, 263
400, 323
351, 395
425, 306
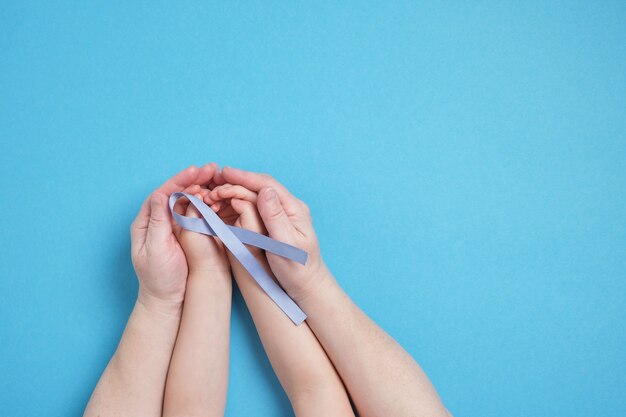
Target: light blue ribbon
234, 238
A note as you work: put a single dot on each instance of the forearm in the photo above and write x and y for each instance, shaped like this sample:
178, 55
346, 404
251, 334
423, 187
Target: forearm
381, 377
197, 381
302, 367
134, 380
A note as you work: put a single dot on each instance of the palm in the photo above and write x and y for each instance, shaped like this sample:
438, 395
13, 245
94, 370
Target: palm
167, 266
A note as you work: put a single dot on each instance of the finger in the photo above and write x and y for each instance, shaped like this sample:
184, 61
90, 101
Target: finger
273, 214
256, 182
204, 195
192, 189
179, 181
229, 191
206, 174
159, 225
252, 180
248, 215
139, 227
214, 192
218, 178
217, 206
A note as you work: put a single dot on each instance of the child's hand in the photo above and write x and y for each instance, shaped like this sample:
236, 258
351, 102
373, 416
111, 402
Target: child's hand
205, 254
286, 218
157, 256
236, 206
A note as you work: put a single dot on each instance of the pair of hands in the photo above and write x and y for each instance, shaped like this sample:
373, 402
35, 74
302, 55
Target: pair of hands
381, 377
164, 255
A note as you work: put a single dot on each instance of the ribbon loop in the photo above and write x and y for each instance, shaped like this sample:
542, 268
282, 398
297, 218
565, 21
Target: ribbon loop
234, 238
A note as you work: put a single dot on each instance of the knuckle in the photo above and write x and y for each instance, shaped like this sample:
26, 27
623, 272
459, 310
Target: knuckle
154, 221
274, 213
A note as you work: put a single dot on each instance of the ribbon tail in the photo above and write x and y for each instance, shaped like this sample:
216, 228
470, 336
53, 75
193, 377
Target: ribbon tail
270, 245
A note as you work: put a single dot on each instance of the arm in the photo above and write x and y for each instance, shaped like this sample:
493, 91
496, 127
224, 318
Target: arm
197, 381
134, 380
302, 367
132, 383
381, 377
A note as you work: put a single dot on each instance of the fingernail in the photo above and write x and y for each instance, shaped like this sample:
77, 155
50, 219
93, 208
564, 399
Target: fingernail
155, 200
270, 194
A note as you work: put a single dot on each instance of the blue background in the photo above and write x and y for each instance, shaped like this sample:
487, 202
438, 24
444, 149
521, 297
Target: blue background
465, 164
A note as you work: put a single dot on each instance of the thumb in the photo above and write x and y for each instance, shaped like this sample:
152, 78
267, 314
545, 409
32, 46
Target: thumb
276, 221
160, 226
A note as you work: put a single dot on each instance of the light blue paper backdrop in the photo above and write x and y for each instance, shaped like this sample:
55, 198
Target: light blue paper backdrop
465, 164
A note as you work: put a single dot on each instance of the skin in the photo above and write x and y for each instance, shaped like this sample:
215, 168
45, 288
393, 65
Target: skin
173, 266
197, 380
134, 380
303, 368
381, 377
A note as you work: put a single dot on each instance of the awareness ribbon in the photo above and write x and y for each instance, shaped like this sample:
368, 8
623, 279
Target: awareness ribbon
234, 238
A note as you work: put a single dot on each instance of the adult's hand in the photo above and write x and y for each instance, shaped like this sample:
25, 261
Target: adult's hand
288, 220
157, 255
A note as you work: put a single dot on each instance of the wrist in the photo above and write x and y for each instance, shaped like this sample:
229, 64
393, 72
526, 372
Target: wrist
209, 270
156, 305
319, 283
219, 280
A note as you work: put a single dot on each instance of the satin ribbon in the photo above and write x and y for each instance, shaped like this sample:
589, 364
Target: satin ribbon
234, 238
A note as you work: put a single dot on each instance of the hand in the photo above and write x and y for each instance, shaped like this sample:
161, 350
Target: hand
205, 254
238, 209
236, 205
157, 256
286, 219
